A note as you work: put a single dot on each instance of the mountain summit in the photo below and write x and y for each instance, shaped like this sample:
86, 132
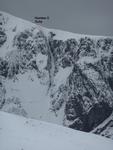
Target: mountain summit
56, 76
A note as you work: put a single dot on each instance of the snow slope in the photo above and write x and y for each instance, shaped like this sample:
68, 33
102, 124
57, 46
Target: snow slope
18, 133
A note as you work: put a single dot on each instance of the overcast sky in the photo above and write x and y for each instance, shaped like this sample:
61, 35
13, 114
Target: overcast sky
79, 16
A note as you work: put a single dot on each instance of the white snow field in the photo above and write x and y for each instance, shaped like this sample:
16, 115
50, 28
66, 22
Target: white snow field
19, 133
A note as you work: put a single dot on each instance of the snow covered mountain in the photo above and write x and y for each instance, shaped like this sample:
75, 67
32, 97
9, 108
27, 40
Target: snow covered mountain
26, 134
56, 76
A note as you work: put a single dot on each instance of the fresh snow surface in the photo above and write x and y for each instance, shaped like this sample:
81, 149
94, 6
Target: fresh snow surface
64, 35
19, 133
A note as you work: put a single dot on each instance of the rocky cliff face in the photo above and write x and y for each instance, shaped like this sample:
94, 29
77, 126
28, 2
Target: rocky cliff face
43, 73
105, 128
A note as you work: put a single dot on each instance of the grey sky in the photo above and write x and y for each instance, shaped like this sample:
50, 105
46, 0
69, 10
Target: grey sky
79, 16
